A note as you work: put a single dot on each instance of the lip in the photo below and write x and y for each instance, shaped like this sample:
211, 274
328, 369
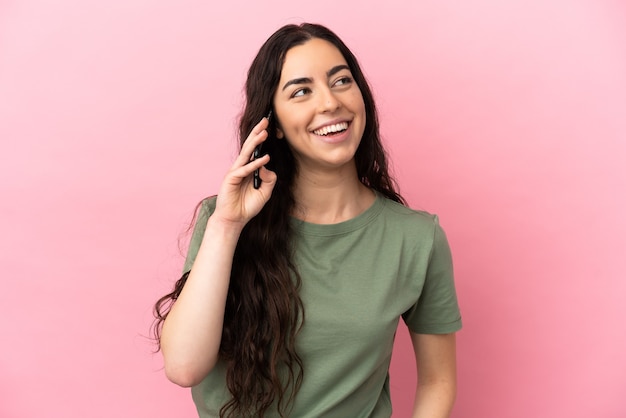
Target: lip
332, 122
337, 138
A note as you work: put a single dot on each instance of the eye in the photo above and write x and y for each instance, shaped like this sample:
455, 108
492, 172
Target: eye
300, 92
343, 81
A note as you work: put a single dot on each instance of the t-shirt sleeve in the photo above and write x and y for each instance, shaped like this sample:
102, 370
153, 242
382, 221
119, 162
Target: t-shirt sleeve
437, 309
206, 209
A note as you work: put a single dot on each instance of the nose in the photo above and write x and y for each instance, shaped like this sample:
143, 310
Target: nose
328, 102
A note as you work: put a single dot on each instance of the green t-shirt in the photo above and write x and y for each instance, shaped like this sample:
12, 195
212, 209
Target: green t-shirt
358, 278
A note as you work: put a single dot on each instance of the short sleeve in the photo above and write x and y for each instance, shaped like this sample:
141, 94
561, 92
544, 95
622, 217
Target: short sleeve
437, 309
207, 207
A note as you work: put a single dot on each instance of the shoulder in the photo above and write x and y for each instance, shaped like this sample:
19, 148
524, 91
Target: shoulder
418, 227
208, 203
403, 216
205, 208
203, 211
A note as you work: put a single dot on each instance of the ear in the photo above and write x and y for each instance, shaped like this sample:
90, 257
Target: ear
279, 133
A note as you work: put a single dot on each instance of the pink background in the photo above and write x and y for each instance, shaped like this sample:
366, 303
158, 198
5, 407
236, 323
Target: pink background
507, 118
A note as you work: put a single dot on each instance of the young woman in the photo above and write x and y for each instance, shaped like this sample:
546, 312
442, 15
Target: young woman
292, 291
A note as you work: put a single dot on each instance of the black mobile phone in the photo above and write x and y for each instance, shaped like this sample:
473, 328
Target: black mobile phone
256, 182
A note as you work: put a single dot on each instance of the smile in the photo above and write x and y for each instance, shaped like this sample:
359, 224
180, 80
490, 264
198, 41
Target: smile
331, 129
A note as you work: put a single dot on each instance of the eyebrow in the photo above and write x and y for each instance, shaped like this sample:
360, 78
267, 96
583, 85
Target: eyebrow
305, 80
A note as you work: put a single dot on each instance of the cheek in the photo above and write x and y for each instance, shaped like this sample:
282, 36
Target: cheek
298, 121
357, 103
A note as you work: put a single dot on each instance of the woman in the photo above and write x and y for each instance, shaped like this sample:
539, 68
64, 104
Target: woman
292, 292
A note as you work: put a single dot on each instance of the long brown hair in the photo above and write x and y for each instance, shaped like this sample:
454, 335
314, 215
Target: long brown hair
264, 312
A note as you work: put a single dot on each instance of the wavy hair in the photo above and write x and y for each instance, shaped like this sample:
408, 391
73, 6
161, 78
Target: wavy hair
264, 312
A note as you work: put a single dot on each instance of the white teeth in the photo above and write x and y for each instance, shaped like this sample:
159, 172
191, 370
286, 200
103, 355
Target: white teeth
331, 128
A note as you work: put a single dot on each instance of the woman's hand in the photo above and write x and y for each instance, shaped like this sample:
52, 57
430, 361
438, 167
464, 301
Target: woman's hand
238, 201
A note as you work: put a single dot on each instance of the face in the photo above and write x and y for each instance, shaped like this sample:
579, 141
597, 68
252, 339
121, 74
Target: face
319, 107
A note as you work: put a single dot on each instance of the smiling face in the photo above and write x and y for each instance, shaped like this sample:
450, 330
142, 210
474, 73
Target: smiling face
319, 107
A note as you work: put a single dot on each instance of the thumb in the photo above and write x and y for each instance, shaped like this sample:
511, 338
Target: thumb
268, 179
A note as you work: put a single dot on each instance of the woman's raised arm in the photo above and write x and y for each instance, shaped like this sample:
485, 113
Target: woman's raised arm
191, 334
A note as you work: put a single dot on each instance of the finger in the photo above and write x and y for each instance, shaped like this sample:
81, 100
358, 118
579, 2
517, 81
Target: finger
247, 169
247, 150
268, 182
268, 177
258, 130
253, 139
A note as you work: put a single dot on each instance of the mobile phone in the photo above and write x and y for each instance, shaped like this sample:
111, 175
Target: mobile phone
256, 182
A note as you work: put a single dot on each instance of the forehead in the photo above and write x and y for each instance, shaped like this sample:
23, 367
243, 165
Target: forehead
313, 57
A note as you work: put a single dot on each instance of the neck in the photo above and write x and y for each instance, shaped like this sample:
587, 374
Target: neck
330, 197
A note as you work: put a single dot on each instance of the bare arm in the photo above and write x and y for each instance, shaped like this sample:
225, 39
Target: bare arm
435, 356
192, 332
